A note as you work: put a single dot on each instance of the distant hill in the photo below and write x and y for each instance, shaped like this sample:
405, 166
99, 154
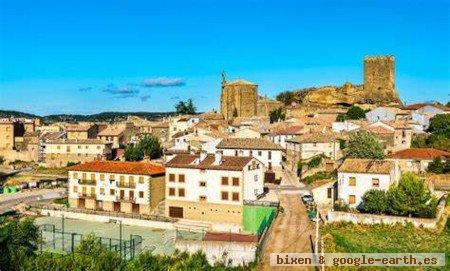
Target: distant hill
103, 117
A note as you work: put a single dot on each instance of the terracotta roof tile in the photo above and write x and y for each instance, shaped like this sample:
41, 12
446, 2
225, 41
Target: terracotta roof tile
81, 127
234, 163
314, 138
248, 144
366, 166
112, 130
137, 168
420, 153
288, 130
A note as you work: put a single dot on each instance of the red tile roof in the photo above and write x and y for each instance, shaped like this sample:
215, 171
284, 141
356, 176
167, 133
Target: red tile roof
420, 153
136, 168
234, 163
289, 130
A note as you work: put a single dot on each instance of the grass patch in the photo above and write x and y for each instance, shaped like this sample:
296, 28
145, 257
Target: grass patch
64, 201
379, 238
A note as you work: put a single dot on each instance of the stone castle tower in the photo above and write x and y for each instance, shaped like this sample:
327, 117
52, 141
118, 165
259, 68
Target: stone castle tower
238, 99
379, 78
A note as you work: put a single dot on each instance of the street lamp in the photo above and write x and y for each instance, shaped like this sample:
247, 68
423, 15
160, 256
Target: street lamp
120, 232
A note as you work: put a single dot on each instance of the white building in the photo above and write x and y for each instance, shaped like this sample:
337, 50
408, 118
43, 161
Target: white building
129, 187
281, 135
269, 153
417, 159
357, 176
212, 187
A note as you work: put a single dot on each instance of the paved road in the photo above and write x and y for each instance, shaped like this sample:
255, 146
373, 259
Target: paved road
290, 232
10, 200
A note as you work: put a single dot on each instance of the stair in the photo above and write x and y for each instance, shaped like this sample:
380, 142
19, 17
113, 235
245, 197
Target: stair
192, 225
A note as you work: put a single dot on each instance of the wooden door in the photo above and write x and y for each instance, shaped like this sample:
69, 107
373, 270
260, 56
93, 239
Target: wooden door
176, 212
116, 206
135, 208
81, 203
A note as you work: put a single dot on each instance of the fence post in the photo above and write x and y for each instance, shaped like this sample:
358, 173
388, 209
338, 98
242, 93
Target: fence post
72, 242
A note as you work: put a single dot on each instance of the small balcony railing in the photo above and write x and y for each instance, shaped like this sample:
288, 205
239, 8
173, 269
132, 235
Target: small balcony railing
87, 182
87, 196
126, 185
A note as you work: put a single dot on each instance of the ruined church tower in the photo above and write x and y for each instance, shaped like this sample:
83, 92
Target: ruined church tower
238, 99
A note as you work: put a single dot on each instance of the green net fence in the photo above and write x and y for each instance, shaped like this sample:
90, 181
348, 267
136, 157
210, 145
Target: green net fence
257, 218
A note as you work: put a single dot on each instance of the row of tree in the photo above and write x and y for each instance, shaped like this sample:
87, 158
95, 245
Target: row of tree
19, 242
410, 197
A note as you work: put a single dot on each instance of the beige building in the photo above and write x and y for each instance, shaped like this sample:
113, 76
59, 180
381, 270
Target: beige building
81, 131
118, 134
212, 188
60, 152
128, 187
417, 159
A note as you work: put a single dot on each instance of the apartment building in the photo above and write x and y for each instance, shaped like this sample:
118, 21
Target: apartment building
281, 134
128, 187
357, 176
212, 187
269, 153
81, 131
59, 152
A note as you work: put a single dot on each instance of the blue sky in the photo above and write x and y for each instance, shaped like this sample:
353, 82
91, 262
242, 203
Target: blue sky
92, 56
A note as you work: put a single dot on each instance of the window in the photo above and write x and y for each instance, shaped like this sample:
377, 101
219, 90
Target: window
181, 178
352, 181
112, 192
251, 153
141, 179
122, 179
235, 153
235, 181
75, 189
102, 177
141, 194
84, 176
256, 178
171, 191
202, 183
259, 153
171, 177
202, 198
181, 192
329, 193
112, 177
102, 191
131, 179
224, 195
92, 190
249, 167
270, 155
270, 165
351, 199
75, 175
235, 196
376, 182
224, 180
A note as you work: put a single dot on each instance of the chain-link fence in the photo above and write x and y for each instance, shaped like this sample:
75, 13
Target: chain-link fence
60, 241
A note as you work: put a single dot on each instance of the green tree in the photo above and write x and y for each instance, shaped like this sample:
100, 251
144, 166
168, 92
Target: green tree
374, 202
364, 145
440, 125
341, 117
439, 141
277, 115
436, 166
355, 112
148, 146
286, 97
419, 141
185, 107
18, 241
410, 197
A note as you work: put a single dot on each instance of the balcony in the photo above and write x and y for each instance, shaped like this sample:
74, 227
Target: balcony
87, 196
126, 185
87, 182
127, 199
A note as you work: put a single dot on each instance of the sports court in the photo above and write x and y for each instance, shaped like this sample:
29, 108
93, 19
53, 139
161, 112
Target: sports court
159, 241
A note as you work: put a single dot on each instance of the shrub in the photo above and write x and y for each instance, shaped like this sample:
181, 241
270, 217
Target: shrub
277, 115
419, 141
315, 162
355, 112
436, 166
341, 207
341, 118
321, 175
374, 202
69, 164
147, 146
364, 145
411, 198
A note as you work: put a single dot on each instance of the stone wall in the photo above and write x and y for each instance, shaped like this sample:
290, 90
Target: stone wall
370, 219
157, 190
379, 77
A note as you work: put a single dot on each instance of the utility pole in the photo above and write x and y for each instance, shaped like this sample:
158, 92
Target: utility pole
62, 230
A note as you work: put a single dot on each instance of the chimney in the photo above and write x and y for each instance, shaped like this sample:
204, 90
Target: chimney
203, 155
218, 158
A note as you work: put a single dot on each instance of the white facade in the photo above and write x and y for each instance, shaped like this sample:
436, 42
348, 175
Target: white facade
344, 126
107, 186
208, 183
280, 139
363, 182
309, 150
